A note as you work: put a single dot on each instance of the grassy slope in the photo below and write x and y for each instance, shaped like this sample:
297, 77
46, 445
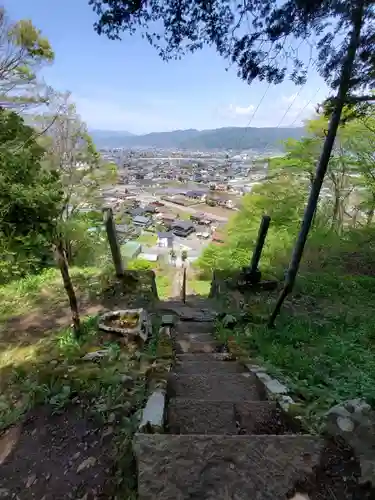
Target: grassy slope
41, 362
323, 343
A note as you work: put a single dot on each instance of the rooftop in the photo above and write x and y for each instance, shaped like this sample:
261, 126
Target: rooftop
139, 219
182, 224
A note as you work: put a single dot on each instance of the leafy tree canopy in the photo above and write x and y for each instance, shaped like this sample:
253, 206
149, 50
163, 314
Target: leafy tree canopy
23, 51
261, 37
30, 198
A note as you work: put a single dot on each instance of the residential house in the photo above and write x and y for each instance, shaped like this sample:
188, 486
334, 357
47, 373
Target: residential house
141, 221
149, 256
165, 239
151, 209
196, 195
220, 201
136, 212
201, 219
130, 250
182, 228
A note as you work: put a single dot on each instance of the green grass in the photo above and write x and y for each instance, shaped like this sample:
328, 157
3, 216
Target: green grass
323, 342
198, 286
164, 285
52, 370
147, 239
24, 295
53, 373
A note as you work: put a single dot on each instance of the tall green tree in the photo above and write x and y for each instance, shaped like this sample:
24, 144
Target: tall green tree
301, 156
360, 135
31, 198
23, 52
70, 151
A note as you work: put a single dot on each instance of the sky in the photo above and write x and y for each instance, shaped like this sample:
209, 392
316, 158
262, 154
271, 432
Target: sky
124, 85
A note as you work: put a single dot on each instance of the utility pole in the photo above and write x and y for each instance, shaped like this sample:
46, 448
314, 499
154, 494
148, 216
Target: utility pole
344, 87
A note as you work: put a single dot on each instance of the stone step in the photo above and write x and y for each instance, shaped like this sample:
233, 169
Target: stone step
264, 417
192, 416
216, 387
197, 337
206, 366
215, 356
208, 467
195, 327
193, 346
189, 312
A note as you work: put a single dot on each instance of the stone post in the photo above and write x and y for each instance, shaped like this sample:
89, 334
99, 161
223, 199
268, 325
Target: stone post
110, 228
263, 229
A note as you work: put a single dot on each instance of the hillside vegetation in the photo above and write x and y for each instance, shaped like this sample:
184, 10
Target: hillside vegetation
236, 138
323, 341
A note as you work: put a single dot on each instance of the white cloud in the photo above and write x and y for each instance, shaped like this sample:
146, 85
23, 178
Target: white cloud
297, 109
289, 98
241, 111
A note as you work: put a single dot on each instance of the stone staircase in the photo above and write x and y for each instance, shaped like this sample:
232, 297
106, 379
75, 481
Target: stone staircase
224, 440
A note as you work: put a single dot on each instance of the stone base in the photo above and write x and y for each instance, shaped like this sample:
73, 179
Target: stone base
222, 467
142, 330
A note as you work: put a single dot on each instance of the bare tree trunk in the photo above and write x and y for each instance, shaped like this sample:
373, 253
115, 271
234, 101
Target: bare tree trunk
370, 217
323, 162
340, 216
335, 211
68, 285
68, 251
354, 217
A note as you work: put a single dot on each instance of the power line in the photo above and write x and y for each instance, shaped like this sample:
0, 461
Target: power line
253, 114
305, 106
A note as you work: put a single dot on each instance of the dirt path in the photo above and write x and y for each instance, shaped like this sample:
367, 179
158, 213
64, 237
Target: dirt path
54, 457
177, 283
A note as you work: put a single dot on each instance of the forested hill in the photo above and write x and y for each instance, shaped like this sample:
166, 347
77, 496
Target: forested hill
236, 138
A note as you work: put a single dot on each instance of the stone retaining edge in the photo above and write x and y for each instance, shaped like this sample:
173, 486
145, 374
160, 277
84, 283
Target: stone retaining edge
275, 390
153, 414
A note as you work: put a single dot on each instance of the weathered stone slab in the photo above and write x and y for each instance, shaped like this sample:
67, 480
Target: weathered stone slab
168, 320
141, 330
183, 467
272, 385
264, 417
214, 387
206, 366
214, 356
192, 416
197, 337
354, 420
193, 346
194, 327
153, 413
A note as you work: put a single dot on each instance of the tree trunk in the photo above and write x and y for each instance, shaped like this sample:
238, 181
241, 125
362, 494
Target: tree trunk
68, 251
354, 217
321, 170
335, 211
340, 216
64, 269
370, 216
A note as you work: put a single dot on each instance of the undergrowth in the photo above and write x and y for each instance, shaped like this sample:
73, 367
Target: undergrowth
323, 341
57, 375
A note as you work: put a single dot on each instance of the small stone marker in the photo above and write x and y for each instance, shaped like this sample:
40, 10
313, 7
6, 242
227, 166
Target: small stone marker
167, 320
153, 413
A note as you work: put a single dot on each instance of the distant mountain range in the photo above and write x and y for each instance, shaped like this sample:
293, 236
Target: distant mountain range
236, 138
